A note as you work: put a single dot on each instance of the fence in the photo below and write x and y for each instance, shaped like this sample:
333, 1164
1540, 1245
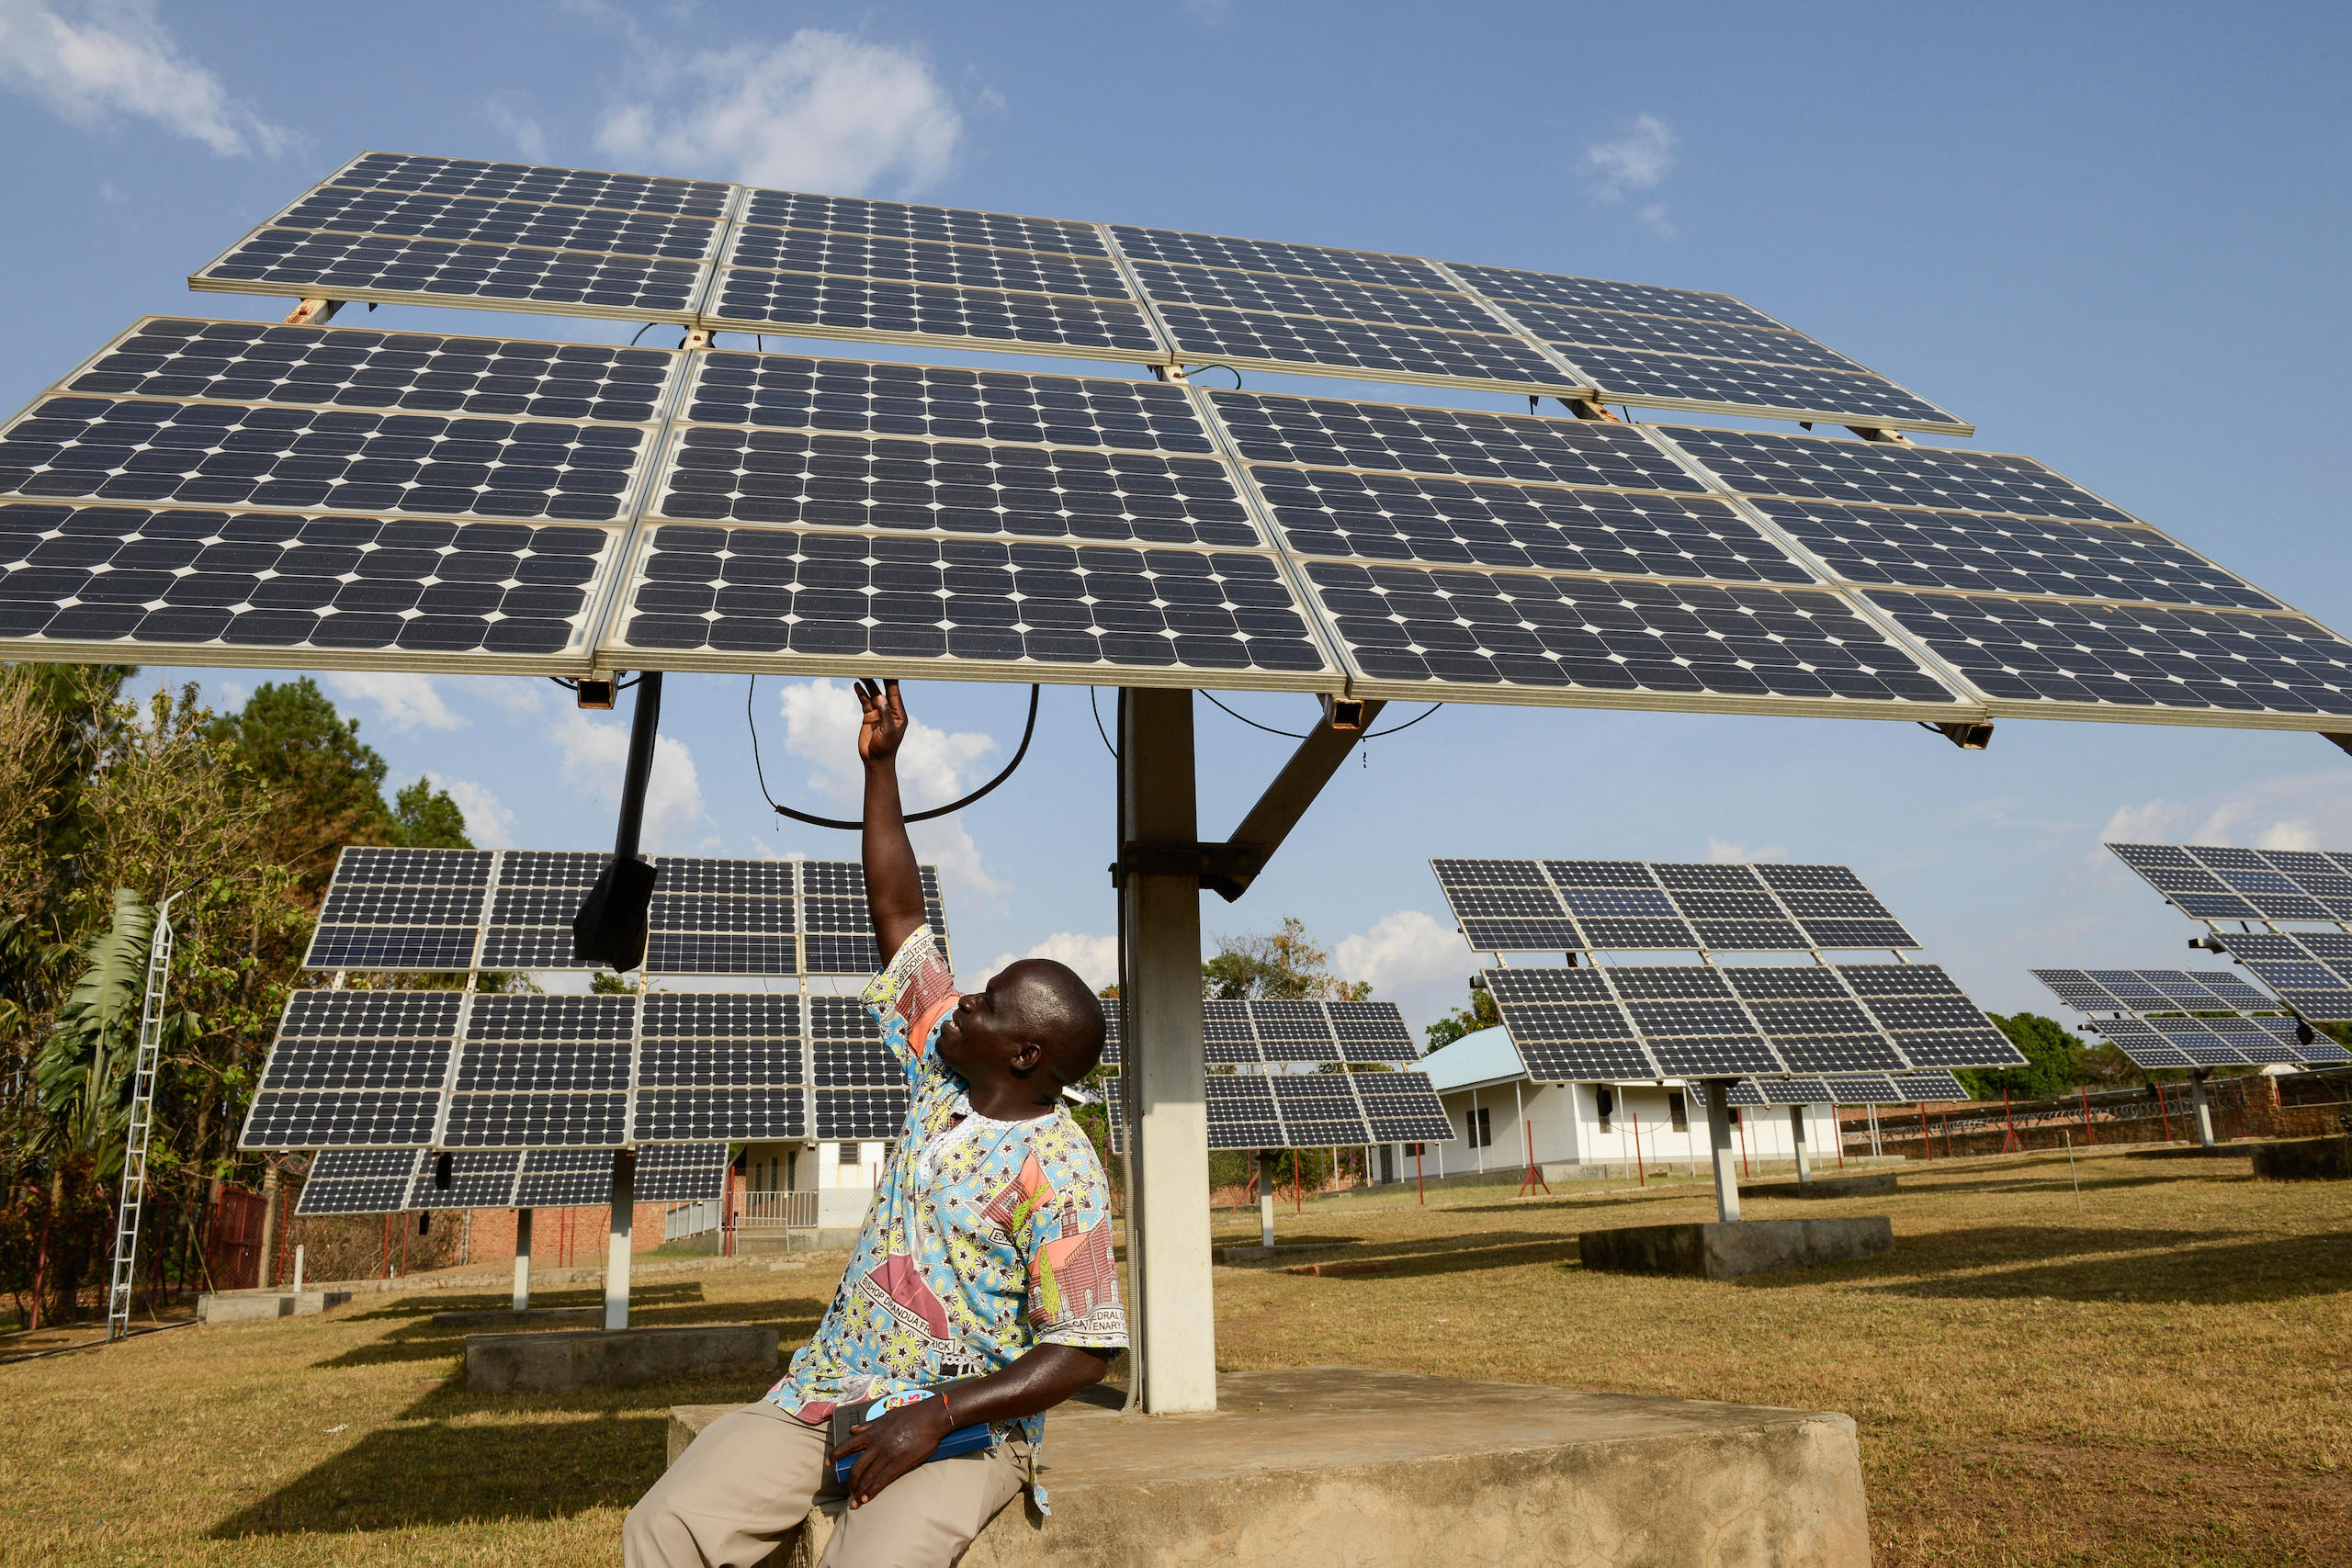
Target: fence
753, 1212
232, 1240
2255, 1106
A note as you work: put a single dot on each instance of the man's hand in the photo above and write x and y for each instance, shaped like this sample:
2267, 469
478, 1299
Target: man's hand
892, 1445
885, 724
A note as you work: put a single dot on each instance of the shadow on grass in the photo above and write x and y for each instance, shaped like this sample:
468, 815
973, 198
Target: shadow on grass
1457, 1260
426, 1306
791, 1317
431, 1473
2181, 1269
1662, 1194
1351, 1249
1919, 1262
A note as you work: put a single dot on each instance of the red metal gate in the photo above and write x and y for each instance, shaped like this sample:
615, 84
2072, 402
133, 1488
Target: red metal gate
232, 1239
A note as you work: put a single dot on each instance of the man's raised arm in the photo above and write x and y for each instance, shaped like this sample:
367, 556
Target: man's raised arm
893, 881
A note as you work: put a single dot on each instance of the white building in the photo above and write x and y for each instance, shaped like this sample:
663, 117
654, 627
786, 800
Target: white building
1504, 1120
841, 1178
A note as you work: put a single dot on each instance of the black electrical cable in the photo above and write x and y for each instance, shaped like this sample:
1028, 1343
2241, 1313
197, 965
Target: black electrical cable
640, 333
1292, 734
753, 684
1096, 705
1226, 368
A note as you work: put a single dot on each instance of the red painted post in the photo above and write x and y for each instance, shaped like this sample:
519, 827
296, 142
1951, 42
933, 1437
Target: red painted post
2162, 1113
2084, 1095
1641, 1172
2011, 1141
1742, 1147
403, 1249
1420, 1183
387, 1246
1947, 1134
1535, 1177
1840, 1122
1926, 1149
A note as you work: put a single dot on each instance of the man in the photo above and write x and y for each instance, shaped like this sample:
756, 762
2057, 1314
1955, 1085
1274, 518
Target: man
984, 1270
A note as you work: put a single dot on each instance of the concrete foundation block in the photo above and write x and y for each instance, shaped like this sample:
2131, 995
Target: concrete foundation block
561, 1362
1713, 1250
529, 1317
2191, 1151
1870, 1186
1322, 1467
2304, 1159
260, 1306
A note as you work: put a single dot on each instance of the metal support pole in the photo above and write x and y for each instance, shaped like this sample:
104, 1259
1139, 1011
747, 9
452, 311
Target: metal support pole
645, 722
1265, 1198
2203, 1107
273, 1198
522, 1260
616, 1250
298, 1270
1175, 1337
1719, 1144
1796, 1134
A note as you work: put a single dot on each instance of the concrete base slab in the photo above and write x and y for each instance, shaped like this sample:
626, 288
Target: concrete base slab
1713, 1250
1822, 1186
261, 1306
529, 1317
1324, 1466
561, 1362
2304, 1159
1253, 1253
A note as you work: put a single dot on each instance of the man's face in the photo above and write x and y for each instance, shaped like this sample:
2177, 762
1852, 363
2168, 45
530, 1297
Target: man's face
985, 1028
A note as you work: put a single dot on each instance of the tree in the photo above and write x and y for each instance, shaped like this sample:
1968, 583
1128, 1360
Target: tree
1479, 1014
2054, 1061
427, 818
323, 784
1282, 966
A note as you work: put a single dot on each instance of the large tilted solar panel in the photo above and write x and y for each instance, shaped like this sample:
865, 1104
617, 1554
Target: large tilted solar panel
1634, 1022
1565, 905
404, 909
323, 498
404, 228
1239, 1033
2233, 1024
2209, 882
2047, 599
718, 1065
1851, 1089
357, 1181
377, 1181
356, 1069
1310, 1110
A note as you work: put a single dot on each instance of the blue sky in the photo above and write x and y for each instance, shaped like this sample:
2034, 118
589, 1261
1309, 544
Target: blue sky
2112, 236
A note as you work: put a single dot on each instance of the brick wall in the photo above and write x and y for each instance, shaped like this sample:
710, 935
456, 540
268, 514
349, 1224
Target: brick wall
562, 1237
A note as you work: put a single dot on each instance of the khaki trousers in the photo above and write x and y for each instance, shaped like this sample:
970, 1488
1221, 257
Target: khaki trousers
755, 1472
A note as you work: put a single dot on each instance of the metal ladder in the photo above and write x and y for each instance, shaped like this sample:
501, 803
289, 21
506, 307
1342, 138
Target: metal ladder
142, 1117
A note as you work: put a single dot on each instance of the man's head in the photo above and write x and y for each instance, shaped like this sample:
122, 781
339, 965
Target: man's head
1035, 1023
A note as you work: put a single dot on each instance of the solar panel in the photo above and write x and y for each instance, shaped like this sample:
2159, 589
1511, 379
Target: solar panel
1780, 1091
356, 1181
1931, 1087
720, 1067
1243, 1114
1631, 905
363, 1040
1812, 468
430, 372
1865, 1089
681, 1173
2210, 883
1319, 1110
1403, 1108
1326, 433
479, 1179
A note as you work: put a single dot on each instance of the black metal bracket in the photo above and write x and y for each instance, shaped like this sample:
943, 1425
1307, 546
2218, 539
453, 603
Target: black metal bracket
2342, 742
1968, 734
1225, 869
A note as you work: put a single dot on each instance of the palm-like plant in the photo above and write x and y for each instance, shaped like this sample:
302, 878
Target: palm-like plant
83, 1073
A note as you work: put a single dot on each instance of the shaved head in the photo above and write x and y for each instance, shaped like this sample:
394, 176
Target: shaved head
1061, 1012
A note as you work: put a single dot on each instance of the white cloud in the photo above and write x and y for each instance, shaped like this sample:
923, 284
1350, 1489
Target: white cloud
1653, 217
515, 694
818, 111
1412, 959
1638, 160
820, 725
403, 701
1096, 958
596, 755
1720, 853
530, 138
100, 60
488, 822
232, 695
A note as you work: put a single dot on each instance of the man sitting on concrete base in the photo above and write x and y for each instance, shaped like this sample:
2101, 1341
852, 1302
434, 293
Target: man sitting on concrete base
984, 1273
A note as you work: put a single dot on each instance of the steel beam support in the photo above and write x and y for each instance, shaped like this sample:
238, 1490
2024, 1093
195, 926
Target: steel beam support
616, 1249
1719, 1145
1165, 1072
1796, 1132
2204, 1108
1265, 1198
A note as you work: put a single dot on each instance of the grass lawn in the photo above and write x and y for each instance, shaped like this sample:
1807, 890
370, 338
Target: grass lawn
2164, 1377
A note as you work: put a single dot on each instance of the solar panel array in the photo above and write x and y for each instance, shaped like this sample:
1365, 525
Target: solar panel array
2209, 882
479, 1072
1567, 906
1849, 1089
1252, 1034
1626, 1022
2235, 1025
1310, 1110
421, 910
384, 1180
235, 493
403, 229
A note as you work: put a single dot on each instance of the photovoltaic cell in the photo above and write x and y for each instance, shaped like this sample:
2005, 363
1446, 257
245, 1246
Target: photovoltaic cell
541, 226
853, 215
479, 1179
1513, 905
1319, 1110
2210, 883
1461, 443
750, 301
530, 182
1338, 299
1241, 1114
1812, 468
315, 1118
1574, 328
1600, 294
361, 1195
1403, 1108
926, 260
1365, 348
1795, 391
1178, 247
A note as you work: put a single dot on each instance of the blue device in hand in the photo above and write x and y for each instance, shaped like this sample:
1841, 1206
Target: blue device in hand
974, 1438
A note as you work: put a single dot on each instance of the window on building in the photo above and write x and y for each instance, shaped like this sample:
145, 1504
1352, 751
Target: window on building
1481, 1126
1412, 1151
1678, 1111
1604, 1100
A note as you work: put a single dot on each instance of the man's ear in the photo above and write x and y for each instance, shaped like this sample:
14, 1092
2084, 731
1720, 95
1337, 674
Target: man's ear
1027, 1057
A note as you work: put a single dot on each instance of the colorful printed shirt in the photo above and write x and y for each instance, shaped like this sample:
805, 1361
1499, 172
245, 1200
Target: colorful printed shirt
986, 1237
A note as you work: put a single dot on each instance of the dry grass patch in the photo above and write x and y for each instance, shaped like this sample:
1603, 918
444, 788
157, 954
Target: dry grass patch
2159, 1379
